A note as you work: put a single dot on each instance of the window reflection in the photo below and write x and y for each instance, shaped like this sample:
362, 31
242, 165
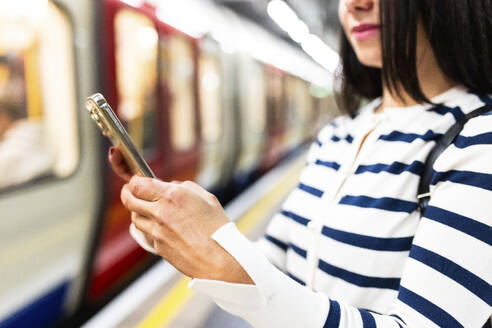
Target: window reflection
38, 127
23, 154
178, 71
210, 97
254, 95
136, 66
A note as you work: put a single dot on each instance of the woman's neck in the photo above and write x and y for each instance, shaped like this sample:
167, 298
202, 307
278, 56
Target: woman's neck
431, 78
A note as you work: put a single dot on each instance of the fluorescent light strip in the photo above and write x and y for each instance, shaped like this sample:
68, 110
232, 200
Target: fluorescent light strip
182, 16
282, 14
197, 18
133, 3
319, 51
287, 19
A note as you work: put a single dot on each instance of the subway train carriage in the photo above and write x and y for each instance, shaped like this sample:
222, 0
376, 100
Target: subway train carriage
205, 94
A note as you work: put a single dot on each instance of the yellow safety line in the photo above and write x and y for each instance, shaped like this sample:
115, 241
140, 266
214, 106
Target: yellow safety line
167, 308
171, 304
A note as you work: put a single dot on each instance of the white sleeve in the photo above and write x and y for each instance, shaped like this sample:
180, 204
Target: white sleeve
141, 240
273, 294
275, 300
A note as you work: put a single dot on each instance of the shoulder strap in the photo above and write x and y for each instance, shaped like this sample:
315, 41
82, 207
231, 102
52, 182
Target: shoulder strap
423, 194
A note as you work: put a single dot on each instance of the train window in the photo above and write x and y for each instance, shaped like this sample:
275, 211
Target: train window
253, 94
210, 97
179, 71
303, 99
136, 75
38, 120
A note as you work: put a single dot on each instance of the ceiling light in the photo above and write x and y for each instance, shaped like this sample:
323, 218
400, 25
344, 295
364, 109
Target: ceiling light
320, 52
133, 3
287, 19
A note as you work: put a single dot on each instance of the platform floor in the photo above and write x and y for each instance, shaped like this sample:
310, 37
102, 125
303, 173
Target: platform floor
161, 298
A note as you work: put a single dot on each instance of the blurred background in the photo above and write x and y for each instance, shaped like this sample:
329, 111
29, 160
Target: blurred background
216, 91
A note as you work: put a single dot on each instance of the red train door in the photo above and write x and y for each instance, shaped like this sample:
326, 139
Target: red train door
150, 80
129, 42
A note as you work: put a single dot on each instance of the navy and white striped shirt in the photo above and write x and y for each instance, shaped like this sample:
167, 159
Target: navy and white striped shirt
352, 230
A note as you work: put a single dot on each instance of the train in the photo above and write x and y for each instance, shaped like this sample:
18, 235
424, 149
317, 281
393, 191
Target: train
205, 94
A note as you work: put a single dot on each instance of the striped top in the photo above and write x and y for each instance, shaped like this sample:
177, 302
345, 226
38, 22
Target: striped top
352, 231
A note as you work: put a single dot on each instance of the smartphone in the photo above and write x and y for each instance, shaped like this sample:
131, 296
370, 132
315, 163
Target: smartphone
112, 128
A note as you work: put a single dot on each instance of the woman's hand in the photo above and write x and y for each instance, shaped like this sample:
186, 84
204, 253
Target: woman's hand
180, 218
121, 168
118, 164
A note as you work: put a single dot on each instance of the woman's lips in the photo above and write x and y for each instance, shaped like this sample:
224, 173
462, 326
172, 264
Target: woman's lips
365, 31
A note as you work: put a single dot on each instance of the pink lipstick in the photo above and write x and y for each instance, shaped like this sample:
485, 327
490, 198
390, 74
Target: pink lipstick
365, 31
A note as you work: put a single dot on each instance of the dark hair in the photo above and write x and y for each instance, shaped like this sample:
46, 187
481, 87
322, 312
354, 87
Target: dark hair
459, 31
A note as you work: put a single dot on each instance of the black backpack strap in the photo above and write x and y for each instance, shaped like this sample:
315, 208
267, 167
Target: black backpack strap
423, 194
488, 324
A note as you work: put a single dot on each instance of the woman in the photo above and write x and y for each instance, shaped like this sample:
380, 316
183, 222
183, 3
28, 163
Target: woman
351, 231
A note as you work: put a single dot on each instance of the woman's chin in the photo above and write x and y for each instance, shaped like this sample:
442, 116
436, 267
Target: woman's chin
371, 63
370, 58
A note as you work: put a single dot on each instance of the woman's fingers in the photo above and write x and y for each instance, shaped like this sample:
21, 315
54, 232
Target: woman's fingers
144, 224
135, 204
194, 187
118, 164
178, 219
197, 189
148, 189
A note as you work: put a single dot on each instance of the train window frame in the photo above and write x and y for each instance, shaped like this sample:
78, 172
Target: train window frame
148, 152
52, 178
165, 74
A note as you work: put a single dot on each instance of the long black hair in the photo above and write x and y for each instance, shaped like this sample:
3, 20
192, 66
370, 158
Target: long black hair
459, 31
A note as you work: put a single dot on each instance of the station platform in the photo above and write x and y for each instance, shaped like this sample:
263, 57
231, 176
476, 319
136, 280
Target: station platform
161, 298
